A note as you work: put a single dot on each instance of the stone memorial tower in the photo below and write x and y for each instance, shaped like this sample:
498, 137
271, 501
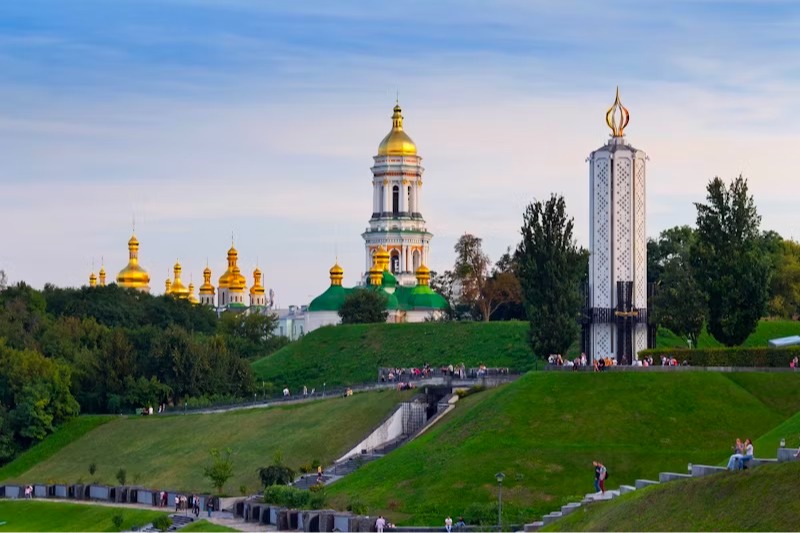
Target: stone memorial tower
616, 314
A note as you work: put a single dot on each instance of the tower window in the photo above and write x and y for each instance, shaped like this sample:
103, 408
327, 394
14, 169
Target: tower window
395, 263
395, 200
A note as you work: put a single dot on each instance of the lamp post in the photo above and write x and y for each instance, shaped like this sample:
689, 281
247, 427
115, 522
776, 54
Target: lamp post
323, 389
783, 442
499, 477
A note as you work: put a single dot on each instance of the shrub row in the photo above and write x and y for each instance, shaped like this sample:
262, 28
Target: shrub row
736, 356
294, 498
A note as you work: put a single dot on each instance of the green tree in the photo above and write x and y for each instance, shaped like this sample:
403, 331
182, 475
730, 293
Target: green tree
728, 263
551, 268
784, 290
364, 306
679, 303
252, 334
671, 243
221, 468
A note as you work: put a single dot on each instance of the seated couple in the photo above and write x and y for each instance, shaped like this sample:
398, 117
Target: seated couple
741, 454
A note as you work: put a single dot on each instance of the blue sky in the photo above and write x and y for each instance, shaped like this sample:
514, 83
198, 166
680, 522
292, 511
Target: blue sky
207, 117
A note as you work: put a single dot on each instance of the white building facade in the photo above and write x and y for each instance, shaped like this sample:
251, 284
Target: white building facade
617, 313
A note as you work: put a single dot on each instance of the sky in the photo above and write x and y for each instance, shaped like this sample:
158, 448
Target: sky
259, 119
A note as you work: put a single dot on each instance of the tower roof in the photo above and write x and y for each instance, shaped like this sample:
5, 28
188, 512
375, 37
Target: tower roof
133, 275
617, 117
179, 290
397, 141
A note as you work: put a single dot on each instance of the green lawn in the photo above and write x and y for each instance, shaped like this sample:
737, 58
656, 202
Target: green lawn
205, 525
22, 515
69, 432
346, 355
544, 431
171, 451
762, 499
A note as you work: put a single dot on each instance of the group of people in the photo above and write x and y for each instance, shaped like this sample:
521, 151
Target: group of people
381, 523
600, 475
146, 411
448, 524
742, 453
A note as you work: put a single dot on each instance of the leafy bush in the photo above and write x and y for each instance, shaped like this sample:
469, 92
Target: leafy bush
122, 476
736, 356
356, 506
162, 523
294, 498
482, 514
275, 475
117, 521
463, 393
92, 468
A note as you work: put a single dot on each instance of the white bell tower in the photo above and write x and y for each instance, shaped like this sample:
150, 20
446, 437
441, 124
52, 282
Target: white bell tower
617, 314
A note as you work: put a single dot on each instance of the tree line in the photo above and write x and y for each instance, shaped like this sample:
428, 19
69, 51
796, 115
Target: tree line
723, 274
112, 350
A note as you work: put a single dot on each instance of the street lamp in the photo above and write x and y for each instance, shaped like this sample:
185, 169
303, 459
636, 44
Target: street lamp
500, 477
323, 389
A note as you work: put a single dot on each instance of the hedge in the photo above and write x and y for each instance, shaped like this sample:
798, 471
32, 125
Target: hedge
736, 356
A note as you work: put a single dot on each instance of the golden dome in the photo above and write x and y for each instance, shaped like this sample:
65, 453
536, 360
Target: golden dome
102, 277
337, 273
179, 290
376, 272
238, 283
381, 258
92, 280
133, 275
227, 277
617, 117
192, 298
207, 288
168, 286
257, 288
397, 142
423, 275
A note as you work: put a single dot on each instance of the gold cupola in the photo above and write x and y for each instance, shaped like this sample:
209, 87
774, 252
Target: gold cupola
397, 141
337, 274
179, 290
192, 298
382, 258
376, 272
133, 276
168, 285
257, 289
92, 280
228, 277
423, 275
617, 117
102, 276
207, 288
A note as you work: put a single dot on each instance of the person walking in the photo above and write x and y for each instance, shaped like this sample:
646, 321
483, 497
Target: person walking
603, 476
380, 523
448, 524
209, 505
596, 476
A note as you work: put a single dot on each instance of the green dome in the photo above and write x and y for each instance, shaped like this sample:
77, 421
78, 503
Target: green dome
388, 279
423, 297
330, 300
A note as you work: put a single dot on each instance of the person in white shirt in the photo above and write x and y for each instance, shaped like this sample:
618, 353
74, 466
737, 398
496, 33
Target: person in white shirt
380, 523
448, 524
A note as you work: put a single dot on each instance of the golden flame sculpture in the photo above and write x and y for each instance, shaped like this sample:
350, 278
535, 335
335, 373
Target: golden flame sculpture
617, 117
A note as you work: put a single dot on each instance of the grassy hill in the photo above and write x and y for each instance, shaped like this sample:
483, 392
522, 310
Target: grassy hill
59, 516
763, 499
544, 431
171, 451
345, 355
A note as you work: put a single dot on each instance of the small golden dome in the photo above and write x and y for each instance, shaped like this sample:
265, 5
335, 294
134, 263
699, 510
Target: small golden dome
227, 278
207, 288
423, 275
257, 288
168, 286
337, 274
133, 275
92, 280
381, 258
192, 298
397, 142
102, 277
238, 283
179, 290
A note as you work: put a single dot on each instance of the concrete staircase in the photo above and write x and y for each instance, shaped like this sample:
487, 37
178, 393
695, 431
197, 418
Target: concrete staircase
784, 455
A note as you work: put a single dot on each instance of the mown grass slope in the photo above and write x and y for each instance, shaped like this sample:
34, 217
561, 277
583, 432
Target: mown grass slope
345, 355
59, 516
544, 431
762, 499
205, 525
171, 451
69, 432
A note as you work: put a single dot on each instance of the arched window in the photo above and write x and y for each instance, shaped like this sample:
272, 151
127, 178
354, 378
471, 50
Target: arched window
395, 262
415, 260
395, 200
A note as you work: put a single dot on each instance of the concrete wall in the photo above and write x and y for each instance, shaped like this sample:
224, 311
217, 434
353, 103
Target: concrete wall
391, 429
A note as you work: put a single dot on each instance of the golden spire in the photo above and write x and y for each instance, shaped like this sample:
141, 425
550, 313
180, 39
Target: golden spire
423, 275
257, 289
397, 141
337, 273
133, 275
207, 288
617, 117
179, 290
